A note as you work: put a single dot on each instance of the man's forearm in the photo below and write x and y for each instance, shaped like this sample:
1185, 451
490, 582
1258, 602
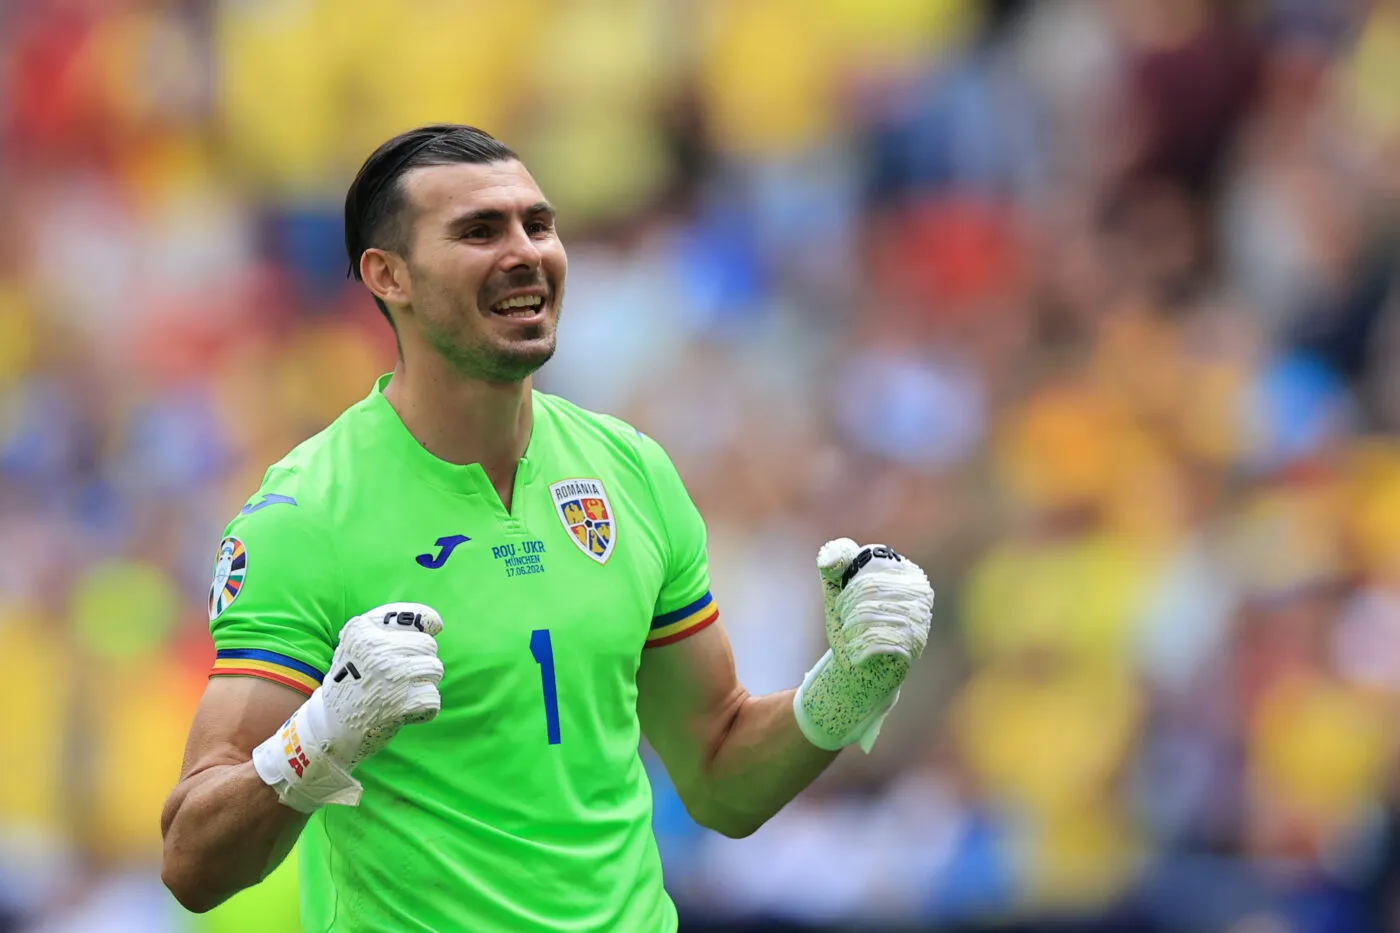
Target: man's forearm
224, 831
762, 761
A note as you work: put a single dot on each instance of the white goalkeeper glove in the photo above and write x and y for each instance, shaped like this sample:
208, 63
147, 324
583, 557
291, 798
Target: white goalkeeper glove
384, 675
878, 609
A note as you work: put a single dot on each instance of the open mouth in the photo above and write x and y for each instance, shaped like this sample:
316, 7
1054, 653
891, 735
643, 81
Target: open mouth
522, 306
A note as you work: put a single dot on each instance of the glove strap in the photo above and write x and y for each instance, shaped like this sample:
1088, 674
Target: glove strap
812, 725
294, 761
836, 706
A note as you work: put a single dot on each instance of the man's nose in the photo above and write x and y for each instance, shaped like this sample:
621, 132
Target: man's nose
521, 250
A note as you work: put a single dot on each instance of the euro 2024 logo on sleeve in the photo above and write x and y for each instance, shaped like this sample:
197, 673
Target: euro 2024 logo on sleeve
583, 507
229, 571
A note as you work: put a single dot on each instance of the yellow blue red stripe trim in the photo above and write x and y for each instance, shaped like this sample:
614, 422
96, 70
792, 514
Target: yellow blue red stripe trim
673, 626
269, 665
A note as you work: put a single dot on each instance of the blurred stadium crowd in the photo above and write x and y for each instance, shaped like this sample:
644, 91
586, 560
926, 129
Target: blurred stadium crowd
1091, 306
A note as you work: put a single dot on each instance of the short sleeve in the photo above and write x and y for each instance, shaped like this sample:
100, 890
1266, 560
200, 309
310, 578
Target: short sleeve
276, 602
684, 606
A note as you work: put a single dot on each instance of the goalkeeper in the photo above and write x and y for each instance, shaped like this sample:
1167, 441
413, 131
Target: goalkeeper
443, 625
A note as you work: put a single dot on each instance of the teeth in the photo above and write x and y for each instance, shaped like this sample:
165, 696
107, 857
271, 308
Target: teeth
527, 302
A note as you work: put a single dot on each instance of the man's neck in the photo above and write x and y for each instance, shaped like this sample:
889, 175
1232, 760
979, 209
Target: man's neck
464, 420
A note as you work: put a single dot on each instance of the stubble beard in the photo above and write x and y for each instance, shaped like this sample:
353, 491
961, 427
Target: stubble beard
484, 357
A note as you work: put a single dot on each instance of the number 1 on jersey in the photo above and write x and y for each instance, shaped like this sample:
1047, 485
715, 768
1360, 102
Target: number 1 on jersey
543, 650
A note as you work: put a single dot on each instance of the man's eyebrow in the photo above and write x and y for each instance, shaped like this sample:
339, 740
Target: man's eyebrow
484, 213
494, 214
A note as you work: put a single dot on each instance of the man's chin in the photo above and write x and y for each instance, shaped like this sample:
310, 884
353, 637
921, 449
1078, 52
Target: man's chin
519, 359
500, 358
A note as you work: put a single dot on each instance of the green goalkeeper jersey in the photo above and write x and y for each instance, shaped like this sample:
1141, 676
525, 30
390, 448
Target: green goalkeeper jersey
524, 805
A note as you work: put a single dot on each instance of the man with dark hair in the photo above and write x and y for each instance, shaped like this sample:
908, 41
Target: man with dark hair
524, 582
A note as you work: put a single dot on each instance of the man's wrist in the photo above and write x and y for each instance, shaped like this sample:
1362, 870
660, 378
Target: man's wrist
811, 727
839, 704
294, 762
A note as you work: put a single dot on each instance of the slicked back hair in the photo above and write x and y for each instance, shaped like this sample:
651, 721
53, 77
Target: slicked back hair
375, 205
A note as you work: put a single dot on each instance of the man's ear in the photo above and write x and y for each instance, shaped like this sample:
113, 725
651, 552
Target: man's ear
386, 275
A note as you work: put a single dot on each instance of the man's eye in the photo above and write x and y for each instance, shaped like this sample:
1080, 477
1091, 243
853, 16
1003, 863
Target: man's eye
477, 233
537, 227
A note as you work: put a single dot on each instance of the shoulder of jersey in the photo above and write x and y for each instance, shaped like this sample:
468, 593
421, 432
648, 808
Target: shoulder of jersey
606, 430
306, 476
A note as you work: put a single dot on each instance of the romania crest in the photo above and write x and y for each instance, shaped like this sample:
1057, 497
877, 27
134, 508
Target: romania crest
587, 515
229, 571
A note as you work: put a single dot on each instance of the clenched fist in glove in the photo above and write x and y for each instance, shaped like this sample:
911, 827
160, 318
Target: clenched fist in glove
384, 675
878, 609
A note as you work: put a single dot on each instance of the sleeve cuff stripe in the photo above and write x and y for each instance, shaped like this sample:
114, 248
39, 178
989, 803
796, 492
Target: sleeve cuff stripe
695, 609
656, 640
296, 682
270, 657
269, 669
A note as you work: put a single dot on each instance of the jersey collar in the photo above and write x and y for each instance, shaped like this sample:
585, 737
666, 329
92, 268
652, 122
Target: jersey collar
455, 477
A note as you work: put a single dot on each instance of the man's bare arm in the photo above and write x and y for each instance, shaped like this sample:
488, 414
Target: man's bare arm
735, 759
259, 757
224, 828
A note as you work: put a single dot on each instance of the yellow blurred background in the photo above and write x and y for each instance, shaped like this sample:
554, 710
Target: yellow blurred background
1090, 306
